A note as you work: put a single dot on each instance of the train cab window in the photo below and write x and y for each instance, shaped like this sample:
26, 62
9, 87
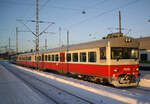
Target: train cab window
124, 53
68, 57
49, 58
83, 57
103, 53
75, 57
45, 58
92, 56
53, 58
56, 57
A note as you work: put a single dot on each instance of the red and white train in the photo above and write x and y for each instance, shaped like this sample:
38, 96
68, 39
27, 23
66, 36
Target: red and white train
113, 59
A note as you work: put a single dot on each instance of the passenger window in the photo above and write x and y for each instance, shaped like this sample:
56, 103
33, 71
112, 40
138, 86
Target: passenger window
56, 57
103, 53
75, 57
29, 58
39, 58
68, 57
53, 58
92, 56
45, 57
83, 57
143, 57
48, 57
35, 58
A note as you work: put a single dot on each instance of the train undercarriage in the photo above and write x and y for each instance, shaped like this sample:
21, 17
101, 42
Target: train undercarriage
125, 80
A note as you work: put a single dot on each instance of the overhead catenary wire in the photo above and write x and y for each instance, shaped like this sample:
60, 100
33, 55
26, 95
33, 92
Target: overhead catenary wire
103, 13
97, 3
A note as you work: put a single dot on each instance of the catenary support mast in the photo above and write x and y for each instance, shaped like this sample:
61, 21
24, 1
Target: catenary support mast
37, 35
119, 22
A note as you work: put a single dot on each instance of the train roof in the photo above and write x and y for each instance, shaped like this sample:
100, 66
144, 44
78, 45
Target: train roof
92, 44
85, 45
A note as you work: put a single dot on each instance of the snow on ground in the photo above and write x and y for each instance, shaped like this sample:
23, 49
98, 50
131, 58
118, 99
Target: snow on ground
145, 79
14, 91
94, 92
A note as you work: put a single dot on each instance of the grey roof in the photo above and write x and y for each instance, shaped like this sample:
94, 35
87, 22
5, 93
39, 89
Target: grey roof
91, 44
85, 45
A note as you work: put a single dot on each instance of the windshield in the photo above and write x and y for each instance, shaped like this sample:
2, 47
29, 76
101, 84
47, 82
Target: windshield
124, 53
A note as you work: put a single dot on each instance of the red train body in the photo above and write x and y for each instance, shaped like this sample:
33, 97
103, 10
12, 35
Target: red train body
113, 60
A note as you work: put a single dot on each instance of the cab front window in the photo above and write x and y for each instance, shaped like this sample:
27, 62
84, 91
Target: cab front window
124, 53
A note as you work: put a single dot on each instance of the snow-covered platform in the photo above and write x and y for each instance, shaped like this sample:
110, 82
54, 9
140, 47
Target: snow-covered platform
96, 93
145, 79
14, 91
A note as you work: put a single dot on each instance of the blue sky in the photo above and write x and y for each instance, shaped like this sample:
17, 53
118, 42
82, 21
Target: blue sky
101, 18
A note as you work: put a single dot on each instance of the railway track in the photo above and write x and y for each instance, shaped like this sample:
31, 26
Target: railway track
52, 92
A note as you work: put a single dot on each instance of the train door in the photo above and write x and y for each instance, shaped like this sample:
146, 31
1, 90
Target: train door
42, 63
26, 60
62, 62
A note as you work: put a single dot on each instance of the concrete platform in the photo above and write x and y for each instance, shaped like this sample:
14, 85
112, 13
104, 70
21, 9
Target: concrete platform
14, 91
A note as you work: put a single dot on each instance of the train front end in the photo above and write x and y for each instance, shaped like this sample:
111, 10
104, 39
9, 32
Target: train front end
124, 62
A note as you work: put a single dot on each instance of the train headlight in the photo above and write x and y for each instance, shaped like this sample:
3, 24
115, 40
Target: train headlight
116, 70
137, 69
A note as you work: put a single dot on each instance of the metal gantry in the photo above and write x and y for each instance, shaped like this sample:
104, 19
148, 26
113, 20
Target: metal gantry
37, 34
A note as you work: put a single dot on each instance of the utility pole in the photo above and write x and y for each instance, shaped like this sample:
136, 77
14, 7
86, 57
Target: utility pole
67, 48
9, 49
59, 36
67, 40
9, 43
16, 40
46, 44
37, 35
119, 22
